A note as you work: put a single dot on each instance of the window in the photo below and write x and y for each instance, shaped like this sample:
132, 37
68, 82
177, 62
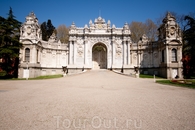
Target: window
163, 58
27, 54
174, 55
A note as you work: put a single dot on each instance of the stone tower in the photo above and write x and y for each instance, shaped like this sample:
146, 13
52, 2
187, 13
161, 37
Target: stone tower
30, 36
170, 47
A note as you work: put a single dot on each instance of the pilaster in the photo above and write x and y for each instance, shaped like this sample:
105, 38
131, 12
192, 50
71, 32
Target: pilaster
124, 53
85, 52
113, 52
70, 52
74, 52
128, 53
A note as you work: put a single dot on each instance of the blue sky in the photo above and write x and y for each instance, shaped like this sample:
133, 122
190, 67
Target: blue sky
81, 11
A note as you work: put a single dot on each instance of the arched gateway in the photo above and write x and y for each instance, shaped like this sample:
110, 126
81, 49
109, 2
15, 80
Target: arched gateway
99, 45
99, 56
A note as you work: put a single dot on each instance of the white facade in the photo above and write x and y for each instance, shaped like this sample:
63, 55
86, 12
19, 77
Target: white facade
100, 45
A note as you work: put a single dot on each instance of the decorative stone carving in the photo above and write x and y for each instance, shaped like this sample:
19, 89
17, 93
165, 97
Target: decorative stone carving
79, 40
144, 38
72, 28
118, 40
53, 37
134, 56
80, 47
126, 29
169, 30
118, 50
30, 29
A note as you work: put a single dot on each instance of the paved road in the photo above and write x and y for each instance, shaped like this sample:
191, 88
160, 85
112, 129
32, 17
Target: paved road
95, 100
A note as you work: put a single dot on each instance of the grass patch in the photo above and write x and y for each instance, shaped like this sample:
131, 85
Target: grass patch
179, 83
149, 76
47, 77
37, 78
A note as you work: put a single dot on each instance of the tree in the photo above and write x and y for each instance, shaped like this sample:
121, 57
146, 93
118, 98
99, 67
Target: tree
50, 28
9, 45
47, 29
189, 47
138, 29
44, 31
63, 33
151, 30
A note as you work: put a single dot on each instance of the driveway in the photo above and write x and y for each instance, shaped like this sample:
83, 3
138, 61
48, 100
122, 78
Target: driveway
95, 100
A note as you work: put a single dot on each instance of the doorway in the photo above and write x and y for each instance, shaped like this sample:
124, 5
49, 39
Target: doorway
99, 56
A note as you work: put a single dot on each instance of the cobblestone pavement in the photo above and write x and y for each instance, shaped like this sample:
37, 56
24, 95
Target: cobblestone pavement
95, 100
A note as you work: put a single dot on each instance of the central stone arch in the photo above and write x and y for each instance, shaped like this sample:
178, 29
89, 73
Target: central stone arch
99, 56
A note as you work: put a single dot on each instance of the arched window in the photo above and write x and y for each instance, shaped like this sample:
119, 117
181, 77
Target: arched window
174, 55
27, 54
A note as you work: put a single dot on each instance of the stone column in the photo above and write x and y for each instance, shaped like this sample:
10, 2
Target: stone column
113, 57
124, 53
74, 52
85, 53
167, 55
131, 58
70, 52
179, 56
40, 56
22, 55
138, 58
170, 55
128, 53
